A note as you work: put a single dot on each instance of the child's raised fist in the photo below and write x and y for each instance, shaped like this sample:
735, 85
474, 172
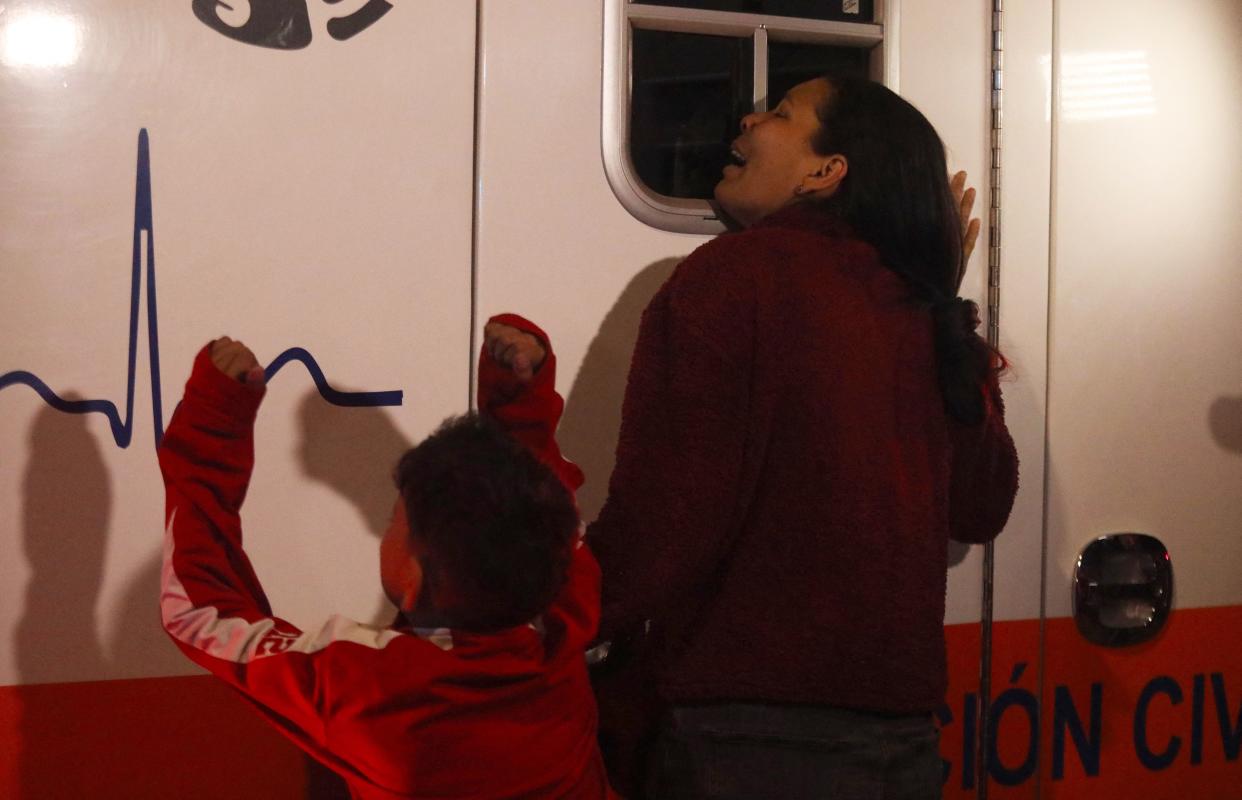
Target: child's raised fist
235, 360
519, 351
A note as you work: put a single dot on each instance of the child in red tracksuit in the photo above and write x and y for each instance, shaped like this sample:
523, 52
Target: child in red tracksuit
480, 689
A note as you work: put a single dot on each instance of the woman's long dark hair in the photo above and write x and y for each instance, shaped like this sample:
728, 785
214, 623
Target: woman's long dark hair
896, 197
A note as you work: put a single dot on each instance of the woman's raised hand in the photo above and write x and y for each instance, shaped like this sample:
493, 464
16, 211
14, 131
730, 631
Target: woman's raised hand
519, 351
965, 199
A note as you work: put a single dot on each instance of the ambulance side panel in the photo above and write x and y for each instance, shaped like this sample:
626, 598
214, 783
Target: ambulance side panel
312, 193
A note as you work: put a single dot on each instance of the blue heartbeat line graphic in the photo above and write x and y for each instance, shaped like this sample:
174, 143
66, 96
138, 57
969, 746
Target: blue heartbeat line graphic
123, 430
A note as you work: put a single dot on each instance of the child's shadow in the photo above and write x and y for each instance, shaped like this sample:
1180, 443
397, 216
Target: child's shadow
353, 451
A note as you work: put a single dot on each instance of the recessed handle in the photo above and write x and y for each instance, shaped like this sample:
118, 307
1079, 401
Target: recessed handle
1123, 589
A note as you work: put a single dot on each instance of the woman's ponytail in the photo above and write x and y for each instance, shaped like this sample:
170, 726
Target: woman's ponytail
964, 360
896, 197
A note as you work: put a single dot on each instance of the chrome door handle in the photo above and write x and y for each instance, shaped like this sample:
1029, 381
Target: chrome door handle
1123, 589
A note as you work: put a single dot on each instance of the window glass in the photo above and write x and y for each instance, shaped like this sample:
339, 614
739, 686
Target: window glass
792, 63
840, 10
689, 94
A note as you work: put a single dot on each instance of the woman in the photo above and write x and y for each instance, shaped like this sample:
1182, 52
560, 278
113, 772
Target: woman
809, 417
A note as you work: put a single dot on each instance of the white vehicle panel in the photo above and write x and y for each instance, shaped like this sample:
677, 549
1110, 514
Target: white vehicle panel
317, 197
1147, 291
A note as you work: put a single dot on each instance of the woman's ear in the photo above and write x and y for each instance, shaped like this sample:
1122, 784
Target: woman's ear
827, 175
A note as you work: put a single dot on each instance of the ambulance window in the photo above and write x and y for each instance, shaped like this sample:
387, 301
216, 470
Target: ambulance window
689, 92
791, 63
842, 10
679, 77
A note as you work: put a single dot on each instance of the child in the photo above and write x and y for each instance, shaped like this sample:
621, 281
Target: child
480, 688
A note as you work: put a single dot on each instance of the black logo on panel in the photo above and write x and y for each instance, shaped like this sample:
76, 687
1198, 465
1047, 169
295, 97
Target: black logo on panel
282, 24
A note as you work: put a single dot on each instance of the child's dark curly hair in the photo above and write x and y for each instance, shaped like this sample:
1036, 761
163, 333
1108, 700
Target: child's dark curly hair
497, 524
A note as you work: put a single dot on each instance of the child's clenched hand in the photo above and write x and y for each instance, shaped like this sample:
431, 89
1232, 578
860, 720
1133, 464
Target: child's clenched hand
235, 360
519, 351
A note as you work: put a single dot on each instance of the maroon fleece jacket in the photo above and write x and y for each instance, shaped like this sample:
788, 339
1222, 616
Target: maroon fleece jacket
787, 478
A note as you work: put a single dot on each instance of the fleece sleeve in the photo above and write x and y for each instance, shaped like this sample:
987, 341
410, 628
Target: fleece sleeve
674, 500
983, 476
530, 411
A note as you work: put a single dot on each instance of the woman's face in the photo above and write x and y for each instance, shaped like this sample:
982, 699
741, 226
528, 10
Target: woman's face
773, 156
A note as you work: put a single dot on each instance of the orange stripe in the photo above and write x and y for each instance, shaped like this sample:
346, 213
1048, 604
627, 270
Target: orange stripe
194, 738
184, 738
1137, 687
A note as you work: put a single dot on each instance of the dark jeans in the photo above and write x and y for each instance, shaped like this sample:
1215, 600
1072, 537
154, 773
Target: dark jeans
744, 751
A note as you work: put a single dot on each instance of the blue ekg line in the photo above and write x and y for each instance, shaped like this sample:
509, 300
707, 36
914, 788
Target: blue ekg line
123, 430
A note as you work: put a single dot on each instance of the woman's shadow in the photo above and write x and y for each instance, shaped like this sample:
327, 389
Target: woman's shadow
592, 419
